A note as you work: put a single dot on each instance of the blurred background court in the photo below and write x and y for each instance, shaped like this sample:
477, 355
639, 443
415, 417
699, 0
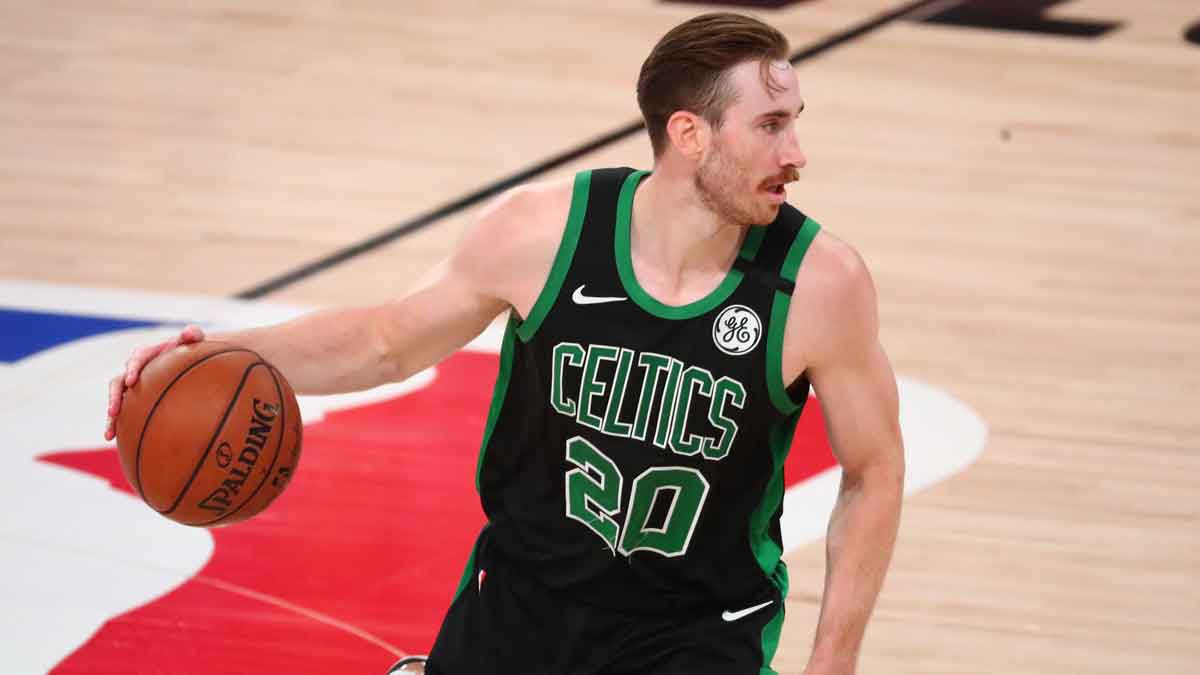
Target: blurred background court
1023, 179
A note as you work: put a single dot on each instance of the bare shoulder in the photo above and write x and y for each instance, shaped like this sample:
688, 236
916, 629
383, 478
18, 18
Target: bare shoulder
833, 270
511, 245
834, 307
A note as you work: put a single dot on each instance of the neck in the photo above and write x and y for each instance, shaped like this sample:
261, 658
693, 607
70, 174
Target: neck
680, 246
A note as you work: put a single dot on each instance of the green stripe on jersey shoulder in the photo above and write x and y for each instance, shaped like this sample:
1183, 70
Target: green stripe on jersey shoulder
498, 393
753, 242
562, 259
778, 323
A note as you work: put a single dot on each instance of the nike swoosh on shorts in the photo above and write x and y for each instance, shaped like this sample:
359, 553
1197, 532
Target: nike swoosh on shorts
734, 616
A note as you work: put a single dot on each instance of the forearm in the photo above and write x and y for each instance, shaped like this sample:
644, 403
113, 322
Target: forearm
859, 544
324, 352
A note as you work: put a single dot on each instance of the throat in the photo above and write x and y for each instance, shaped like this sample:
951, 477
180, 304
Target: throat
676, 273
680, 250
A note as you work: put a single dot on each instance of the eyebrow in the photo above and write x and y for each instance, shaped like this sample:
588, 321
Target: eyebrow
781, 113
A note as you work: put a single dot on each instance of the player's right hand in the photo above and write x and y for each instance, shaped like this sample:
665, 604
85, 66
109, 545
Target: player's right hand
133, 368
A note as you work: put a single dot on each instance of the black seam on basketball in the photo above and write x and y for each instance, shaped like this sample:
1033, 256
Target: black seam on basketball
299, 427
278, 446
295, 452
216, 434
137, 459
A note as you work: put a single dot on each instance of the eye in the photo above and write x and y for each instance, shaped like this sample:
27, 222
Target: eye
771, 127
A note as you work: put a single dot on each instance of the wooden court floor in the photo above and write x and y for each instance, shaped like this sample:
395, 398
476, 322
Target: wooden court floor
1029, 204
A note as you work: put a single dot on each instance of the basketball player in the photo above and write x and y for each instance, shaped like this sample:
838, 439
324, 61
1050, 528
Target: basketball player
664, 328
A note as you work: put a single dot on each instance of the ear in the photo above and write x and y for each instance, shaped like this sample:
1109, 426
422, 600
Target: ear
689, 133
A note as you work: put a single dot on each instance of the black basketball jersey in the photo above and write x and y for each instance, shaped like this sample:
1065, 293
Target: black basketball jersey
634, 451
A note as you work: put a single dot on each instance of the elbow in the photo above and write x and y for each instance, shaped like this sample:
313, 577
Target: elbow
885, 474
898, 468
391, 368
890, 465
891, 472
383, 356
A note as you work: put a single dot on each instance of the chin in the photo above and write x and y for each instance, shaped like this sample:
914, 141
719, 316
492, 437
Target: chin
766, 216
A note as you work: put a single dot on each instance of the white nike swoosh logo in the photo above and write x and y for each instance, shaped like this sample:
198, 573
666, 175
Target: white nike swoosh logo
581, 299
734, 616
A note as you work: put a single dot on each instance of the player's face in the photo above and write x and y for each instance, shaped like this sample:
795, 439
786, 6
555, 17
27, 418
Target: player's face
754, 153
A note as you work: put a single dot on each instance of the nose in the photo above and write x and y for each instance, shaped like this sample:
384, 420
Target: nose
792, 155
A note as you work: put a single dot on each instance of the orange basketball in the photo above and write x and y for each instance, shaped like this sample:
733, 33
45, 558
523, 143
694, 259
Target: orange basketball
210, 434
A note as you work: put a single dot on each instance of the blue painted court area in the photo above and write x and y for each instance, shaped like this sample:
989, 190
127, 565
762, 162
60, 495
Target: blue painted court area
23, 333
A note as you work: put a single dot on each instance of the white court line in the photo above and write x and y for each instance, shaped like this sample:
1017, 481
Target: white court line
304, 611
216, 583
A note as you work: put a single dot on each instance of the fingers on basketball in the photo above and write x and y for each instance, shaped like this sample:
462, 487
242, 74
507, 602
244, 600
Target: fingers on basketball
173, 458
141, 356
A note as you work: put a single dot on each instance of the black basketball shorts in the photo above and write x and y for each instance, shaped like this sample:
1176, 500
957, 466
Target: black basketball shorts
504, 623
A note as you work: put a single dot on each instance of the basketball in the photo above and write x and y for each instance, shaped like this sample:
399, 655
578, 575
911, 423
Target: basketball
210, 434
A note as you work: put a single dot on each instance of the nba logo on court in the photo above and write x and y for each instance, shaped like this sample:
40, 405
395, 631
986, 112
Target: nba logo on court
363, 553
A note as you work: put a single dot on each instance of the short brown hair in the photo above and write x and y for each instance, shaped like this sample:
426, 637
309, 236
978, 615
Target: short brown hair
687, 69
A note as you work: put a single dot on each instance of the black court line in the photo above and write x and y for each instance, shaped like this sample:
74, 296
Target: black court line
496, 187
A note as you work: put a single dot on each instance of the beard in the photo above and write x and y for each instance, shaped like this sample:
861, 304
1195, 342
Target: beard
725, 188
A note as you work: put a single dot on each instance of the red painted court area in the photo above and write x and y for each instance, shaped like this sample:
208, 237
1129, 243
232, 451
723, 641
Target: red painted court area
357, 561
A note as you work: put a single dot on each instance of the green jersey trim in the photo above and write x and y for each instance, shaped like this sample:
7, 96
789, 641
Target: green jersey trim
562, 259
778, 324
498, 393
629, 280
768, 552
468, 571
754, 240
771, 633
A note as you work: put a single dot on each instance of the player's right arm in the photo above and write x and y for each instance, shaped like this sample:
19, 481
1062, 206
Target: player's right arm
502, 262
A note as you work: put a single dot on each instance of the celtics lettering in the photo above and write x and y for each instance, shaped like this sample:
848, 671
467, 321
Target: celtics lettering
670, 397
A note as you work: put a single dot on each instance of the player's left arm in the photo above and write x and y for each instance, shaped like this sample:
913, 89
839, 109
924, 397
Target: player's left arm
857, 389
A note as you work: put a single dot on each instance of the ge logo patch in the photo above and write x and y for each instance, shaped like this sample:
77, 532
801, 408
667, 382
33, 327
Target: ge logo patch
737, 330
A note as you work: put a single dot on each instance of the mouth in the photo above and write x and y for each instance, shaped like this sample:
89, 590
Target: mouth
776, 192
776, 188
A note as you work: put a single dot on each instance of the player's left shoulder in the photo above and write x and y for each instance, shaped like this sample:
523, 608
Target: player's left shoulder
833, 278
834, 304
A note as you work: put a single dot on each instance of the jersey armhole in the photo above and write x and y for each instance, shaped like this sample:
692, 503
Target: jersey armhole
562, 259
784, 401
